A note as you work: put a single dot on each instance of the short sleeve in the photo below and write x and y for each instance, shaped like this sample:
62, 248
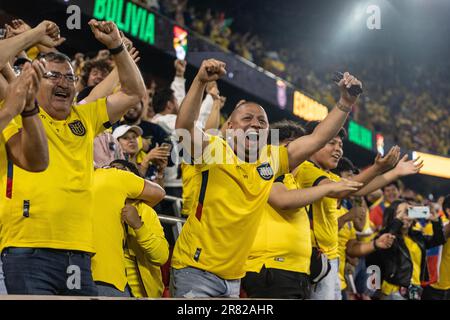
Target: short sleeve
283, 161
307, 174
96, 114
12, 128
133, 184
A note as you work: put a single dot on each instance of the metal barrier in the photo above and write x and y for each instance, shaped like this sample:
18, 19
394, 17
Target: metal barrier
176, 221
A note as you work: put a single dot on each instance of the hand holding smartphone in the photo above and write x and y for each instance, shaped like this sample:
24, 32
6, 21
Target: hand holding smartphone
419, 212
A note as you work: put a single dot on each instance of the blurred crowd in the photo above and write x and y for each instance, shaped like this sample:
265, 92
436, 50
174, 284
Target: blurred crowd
396, 104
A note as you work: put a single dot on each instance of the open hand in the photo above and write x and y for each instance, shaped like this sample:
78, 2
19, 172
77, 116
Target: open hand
407, 167
389, 160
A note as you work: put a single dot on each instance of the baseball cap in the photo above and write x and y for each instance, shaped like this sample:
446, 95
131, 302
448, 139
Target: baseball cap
123, 129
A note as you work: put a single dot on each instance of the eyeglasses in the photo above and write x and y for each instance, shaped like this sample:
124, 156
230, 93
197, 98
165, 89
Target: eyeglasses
55, 76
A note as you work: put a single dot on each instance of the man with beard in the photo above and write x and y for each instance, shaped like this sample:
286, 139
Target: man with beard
229, 185
46, 228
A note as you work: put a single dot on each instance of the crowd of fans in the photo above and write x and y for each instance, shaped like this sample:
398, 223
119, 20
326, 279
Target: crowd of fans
409, 92
98, 113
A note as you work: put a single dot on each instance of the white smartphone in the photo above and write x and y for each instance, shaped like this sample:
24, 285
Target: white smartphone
419, 212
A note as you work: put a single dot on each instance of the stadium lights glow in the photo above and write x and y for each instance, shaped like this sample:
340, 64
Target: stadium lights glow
434, 165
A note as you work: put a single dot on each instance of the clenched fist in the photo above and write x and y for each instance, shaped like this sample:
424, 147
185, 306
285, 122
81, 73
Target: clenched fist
346, 82
106, 32
211, 70
131, 217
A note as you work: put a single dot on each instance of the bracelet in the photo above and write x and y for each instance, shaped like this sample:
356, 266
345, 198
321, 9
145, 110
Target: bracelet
117, 50
341, 107
375, 245
31, 112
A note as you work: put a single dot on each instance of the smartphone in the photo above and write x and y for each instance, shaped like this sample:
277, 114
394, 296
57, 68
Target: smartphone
2, 33
419, 212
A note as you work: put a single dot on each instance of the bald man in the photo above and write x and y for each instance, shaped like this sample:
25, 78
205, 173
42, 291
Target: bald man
228, 185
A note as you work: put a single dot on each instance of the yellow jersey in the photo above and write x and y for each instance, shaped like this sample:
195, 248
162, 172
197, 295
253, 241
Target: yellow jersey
110, 190
283, 240
345, 234
416, 258
52, 209
6, 166
324, 211
443, 282
146, 250
229, 202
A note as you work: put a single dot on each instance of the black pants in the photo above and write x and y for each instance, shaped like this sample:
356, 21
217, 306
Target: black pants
430, 293
276, 283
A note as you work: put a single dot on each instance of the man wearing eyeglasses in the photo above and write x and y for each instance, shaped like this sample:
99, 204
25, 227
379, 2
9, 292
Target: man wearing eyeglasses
46, 232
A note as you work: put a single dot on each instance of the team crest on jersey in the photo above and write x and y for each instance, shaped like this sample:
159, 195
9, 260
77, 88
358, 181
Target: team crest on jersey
265, 171
77, 128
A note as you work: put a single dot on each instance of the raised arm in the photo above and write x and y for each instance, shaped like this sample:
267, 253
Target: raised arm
213, 121
403, 168
18, 26
28, 148
284, 199
210, 70
46, 33
132, 85
302, 148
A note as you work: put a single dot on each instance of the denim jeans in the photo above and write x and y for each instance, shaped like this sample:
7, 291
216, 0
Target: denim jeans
108, 290
40, 271
329, 288
195, 283
2, 280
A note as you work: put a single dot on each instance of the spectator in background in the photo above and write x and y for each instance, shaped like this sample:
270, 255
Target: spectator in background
391, 193
166, 103
352, 219
127, 136
92, 73
152, 134
404, 266
441, 289
62, 236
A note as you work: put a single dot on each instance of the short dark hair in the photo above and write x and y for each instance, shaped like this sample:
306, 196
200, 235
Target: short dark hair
127, 164
395, 183
390, 212
288, 129
161, 98
345, 164
54, 57
311, 125
100, 64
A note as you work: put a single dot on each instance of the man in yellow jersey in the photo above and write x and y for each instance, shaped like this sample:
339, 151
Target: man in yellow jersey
28, 147
441, 289
112, 187
278, 267
317, 171
231, 185
46, 228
